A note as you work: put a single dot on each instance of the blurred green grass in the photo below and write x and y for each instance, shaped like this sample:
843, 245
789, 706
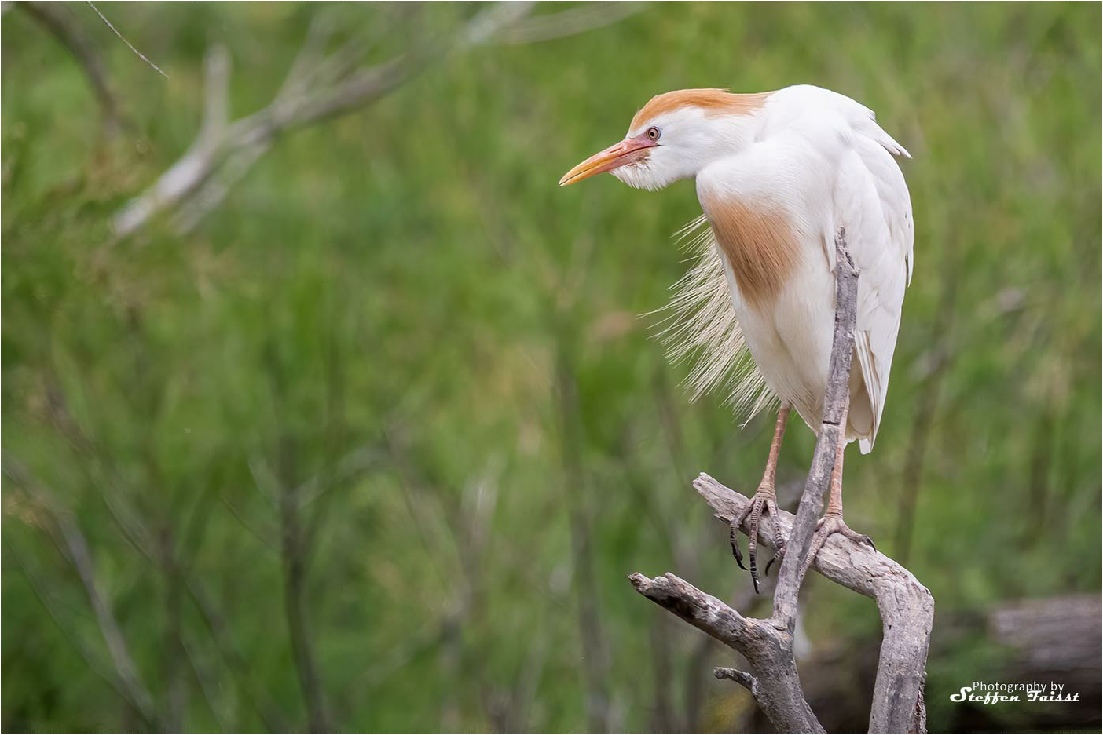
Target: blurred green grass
406, 289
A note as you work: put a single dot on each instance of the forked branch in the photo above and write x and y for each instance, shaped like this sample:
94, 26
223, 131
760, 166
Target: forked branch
323, 83
906, 606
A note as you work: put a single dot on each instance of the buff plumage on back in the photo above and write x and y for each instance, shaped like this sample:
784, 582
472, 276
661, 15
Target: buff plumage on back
700, 327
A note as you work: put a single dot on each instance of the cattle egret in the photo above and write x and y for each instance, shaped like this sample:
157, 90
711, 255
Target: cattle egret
777, 175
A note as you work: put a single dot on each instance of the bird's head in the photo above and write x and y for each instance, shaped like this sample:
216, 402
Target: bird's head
674, 136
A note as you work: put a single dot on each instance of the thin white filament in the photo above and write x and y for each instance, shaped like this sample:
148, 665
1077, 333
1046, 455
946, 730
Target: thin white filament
699, 327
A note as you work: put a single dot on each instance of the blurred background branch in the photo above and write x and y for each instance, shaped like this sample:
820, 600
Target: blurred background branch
321, 85
58, 19
78, 554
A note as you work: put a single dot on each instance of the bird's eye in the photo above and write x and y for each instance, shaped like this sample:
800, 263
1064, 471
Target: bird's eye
653, 133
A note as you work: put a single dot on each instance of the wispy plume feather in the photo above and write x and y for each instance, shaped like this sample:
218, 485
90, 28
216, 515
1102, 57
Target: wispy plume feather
699, 327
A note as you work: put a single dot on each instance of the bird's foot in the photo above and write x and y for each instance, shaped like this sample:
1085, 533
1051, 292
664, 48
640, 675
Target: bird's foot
830, 524
764, 501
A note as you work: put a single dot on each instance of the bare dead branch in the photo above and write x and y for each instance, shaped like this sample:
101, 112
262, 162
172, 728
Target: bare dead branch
47, 599
81, 557
78, 553
569, 22
743, 598
793, 566
310, 56
216, 107
907, 611
318, 86
58, 20
355, 91
906, 606
485, 26
766, 647
739, 677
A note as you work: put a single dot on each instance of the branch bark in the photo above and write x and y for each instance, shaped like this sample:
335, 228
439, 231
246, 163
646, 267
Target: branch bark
906, 606
768, 648
794, 565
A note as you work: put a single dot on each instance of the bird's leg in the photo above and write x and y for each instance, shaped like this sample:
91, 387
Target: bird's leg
764, 501
832, 521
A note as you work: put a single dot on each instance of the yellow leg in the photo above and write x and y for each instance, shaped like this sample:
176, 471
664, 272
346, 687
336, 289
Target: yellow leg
770, 475
764, 501
832, 521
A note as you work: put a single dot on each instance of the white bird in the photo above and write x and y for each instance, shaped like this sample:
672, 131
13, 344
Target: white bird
777, 175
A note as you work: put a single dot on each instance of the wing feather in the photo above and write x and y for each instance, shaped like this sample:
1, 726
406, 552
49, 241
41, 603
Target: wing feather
873, 204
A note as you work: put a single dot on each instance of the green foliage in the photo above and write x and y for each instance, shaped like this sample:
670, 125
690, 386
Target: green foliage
401, 326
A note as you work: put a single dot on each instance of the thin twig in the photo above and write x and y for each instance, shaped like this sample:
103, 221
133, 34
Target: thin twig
123, 39
81, 557
46, 599
78, 554
739, 677
209, 685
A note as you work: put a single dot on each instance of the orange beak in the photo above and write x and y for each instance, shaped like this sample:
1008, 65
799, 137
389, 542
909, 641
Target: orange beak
630, 150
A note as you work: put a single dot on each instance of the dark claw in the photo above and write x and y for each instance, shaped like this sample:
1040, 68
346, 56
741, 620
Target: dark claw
777, 557
734, 530
751, 514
